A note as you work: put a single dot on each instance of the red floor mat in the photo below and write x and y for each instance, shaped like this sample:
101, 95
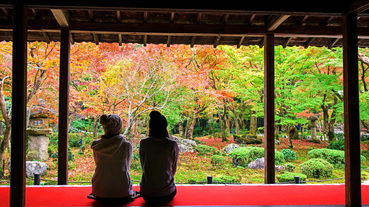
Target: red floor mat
200, 195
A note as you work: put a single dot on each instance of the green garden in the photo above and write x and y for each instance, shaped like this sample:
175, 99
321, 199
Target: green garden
213, 99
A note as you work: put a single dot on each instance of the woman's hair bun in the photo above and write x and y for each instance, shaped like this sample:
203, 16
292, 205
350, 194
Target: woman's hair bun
104, 119
155, 115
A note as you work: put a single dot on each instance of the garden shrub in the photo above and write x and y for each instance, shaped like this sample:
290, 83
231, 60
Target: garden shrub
289, 177
247, 139
206, 150
364, 137
289, 167
335, 157
315, 140
74, 139
135, 162
70, 155
316, 168
217, 160
289, 155
51, 149
71, 165
337, 145
227, 179
245, 155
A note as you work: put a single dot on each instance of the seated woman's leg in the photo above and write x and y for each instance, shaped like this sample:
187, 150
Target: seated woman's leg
160, 200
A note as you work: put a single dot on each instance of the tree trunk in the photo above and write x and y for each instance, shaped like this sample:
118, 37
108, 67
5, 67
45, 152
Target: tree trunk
225, 126
187, 126
191, 126
180, 127
291, 133
5, 141
253, 123
95, 127
242, 117
236, 121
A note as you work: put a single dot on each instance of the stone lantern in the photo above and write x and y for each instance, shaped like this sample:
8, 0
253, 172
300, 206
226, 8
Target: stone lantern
38, 141
313, 126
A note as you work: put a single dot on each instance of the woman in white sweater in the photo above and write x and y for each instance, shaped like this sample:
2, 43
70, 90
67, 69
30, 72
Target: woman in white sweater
158, 156
111, 182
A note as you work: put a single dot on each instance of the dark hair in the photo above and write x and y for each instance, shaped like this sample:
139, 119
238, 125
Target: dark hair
158, 125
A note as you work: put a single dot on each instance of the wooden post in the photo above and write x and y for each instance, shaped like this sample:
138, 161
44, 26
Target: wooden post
19, 101
63, 108
351, 110
269, 148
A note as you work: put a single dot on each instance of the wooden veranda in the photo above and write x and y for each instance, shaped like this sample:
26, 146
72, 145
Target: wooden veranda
325, 23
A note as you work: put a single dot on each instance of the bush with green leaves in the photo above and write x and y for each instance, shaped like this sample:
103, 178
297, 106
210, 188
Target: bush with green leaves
335, 157
316, 168
217, 160
73, 139
206, 150
289, 155
227, 179
245, 155
289, 167
364, 137
290, 176
70, 155
337, 145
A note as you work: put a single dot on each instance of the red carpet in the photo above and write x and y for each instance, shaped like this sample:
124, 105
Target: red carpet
200, 195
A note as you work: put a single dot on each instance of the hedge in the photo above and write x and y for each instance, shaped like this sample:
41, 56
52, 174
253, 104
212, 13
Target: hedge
335, 157
245, 155
316, 168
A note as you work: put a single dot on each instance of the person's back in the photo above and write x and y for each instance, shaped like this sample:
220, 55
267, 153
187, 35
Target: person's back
111, 182
112, 157
158, 157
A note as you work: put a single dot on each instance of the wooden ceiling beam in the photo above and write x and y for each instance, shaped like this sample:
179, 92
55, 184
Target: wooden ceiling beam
261, 43
169, 40
309, 41
172, 17
144, 40
91, 15
120, 39
96, 39
71, 39
199, 15
118, 16
286, 42
145, 17
358, 6
34, 12
302, 22
333, 42
184, 29
252, 19
274, 21
216, 41
225, 19
193, 40
240, 42
6, 12
61, 16
46, 36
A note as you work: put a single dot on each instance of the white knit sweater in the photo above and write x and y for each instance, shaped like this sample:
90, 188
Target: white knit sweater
113, 158
158, 156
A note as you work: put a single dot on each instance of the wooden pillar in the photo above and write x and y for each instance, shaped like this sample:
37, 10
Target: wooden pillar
269, 148
351, 110
19, 101
63, 108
